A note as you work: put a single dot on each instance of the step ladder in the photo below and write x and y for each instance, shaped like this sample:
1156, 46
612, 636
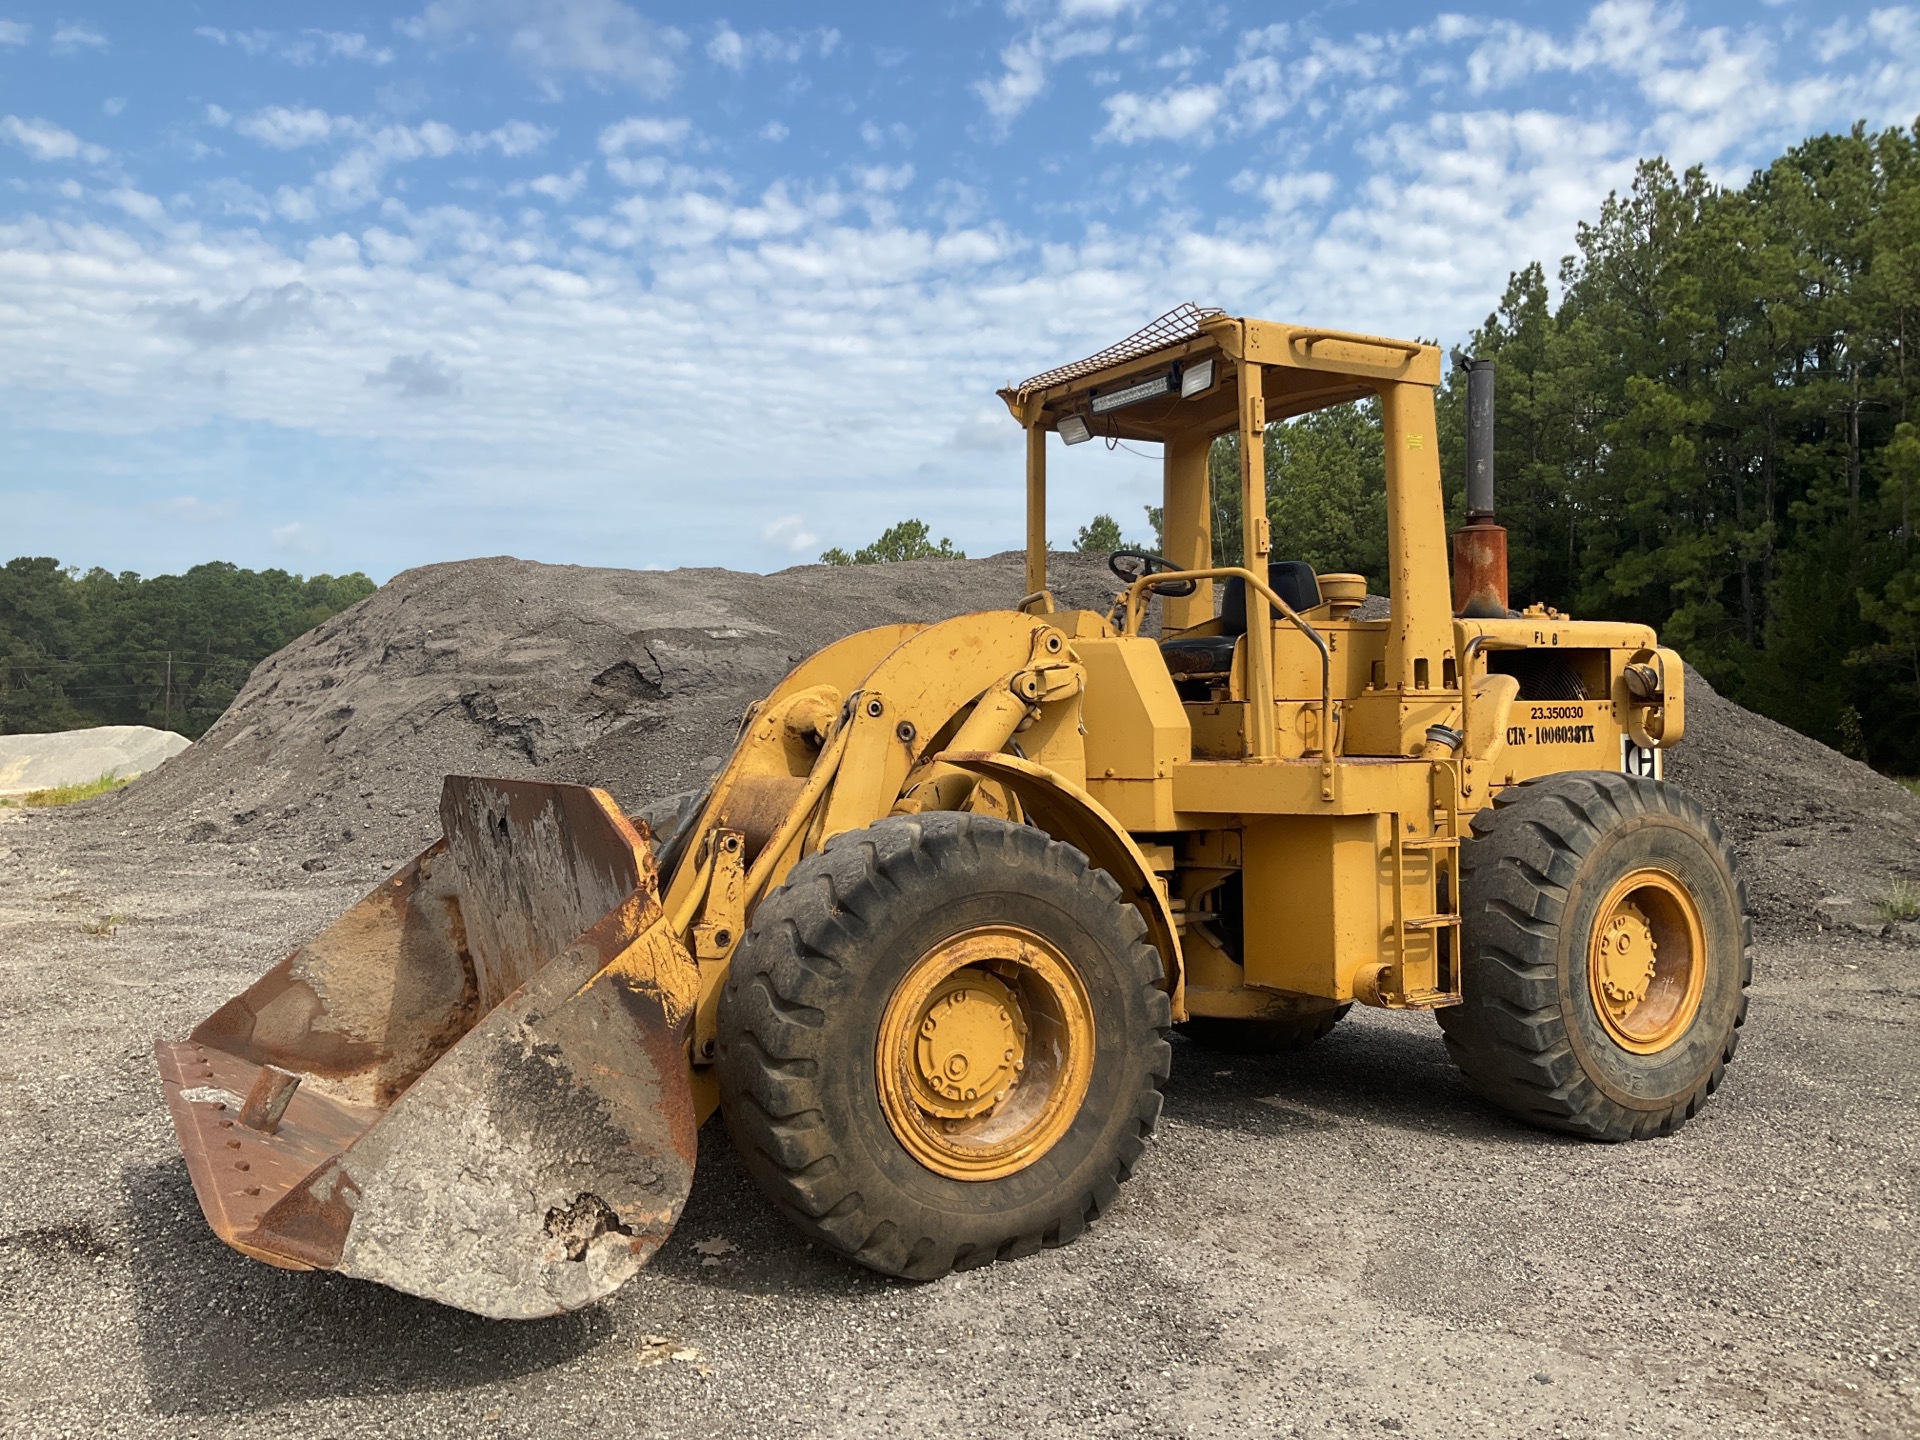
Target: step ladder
1437, 984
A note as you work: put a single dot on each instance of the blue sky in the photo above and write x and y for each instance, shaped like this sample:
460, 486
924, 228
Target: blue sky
620, 283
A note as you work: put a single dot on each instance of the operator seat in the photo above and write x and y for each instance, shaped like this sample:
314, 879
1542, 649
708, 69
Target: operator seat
1190, 657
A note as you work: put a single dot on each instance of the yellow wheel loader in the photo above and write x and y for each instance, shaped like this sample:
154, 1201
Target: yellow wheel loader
922, 940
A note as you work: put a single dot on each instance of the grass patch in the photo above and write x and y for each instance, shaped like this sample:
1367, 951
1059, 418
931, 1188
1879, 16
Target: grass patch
1913, 784
104, 925
70, 794
1899, 904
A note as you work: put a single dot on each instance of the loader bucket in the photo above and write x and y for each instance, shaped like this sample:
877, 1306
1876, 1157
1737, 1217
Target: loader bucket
472, 1086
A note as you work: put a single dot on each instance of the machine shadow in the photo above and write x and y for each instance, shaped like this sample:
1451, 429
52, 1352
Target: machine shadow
220, 1334
769, 1257
1388, 1071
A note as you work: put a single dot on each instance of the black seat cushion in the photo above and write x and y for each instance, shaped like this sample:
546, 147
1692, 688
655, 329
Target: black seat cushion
1292, 580
1199, 654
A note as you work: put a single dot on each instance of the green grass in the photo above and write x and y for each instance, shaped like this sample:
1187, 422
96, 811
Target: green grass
104, 925
70, 794
1899, 904
1913, 784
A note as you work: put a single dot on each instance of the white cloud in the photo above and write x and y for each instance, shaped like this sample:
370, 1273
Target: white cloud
44, 140
643, 130
216, 115
1099, 9
1175, 114
728, 48
773, 130
518, 137
137, 204
350, 45
637, 171
296, 205
262, 313
560, 188
790, 533
356, 177
418, 377
883, 179
286, 129
311, 46
113, 105
605, 40
1063, 35
252, 42
1022, 77
15, 32
1296, 190
70, 39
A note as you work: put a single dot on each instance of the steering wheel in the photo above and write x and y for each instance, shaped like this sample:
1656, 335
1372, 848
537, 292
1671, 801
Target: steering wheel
1150, 564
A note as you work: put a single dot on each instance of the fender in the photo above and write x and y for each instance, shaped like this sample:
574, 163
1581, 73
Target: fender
1068, 813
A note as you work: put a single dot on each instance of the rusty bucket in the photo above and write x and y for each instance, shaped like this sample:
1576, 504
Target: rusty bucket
472, 1086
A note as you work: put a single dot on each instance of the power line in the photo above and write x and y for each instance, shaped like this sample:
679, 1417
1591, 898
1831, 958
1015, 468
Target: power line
157, 658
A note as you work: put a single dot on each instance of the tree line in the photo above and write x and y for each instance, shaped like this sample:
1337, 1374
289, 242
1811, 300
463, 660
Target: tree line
95, 648
1711, 429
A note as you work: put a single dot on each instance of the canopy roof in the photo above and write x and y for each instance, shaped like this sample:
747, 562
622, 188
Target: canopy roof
1304, 368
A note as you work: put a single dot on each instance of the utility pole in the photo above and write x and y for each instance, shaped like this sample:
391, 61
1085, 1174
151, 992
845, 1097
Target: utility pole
166, 696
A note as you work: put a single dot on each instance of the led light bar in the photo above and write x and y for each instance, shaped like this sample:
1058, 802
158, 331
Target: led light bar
1151, 388
1073, 429
1196, 378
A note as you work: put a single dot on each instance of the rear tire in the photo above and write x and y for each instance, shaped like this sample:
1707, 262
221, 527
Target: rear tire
1605, 965
811, 1011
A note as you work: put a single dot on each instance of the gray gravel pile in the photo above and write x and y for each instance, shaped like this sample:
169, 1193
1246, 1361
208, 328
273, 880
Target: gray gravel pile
1821, 838
632, 680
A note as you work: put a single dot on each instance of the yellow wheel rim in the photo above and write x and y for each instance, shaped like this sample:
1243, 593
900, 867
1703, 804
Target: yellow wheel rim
1647, 961
985, 1053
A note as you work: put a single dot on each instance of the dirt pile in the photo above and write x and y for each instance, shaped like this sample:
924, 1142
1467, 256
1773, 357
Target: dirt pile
1821, 837
331, 757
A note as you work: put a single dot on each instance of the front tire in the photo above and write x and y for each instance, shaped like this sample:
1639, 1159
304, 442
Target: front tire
1605, 965
941, 1043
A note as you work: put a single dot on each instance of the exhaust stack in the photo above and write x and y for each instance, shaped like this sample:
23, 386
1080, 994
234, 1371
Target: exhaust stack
1480, 546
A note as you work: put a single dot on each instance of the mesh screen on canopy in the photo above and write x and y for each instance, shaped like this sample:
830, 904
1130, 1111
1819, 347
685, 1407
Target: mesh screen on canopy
1178, 325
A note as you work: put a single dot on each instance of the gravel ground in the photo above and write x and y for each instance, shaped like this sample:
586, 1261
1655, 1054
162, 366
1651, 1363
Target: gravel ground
1339, 1243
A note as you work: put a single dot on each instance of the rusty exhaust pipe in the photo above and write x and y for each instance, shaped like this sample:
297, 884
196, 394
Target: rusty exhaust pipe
1480, 546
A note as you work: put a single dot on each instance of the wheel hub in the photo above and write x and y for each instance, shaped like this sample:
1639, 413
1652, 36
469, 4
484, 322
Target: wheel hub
1646, 961
1626, 957
985, 1053
970, 1047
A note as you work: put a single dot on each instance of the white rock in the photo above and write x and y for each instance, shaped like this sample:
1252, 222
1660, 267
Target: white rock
73, 757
